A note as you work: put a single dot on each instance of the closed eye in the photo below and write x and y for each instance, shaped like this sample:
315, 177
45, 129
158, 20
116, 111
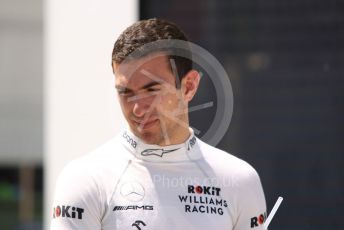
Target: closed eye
123, 90
153, 89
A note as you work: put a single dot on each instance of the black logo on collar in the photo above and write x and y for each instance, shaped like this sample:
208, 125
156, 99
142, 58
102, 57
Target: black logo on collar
192, 142
130, 140
156, 152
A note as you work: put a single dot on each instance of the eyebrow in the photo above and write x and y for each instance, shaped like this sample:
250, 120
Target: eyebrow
150, 84
146, 86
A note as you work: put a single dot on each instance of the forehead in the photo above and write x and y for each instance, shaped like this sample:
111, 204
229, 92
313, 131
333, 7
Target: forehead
135, 73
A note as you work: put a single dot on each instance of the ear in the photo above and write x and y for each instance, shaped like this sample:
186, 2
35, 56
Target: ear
190, 83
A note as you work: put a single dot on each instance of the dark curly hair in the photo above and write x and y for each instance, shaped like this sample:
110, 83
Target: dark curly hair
147, 31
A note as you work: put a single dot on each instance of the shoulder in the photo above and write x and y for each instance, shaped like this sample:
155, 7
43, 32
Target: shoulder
87, 182
225, 163
91, 173
240, 182
111, 154
75, 177
104, 156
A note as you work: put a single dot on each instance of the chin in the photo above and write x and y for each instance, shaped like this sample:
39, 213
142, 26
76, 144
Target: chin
149, 137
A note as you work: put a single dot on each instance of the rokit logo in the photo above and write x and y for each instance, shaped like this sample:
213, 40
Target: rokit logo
204, 190
67, 212
259, 220
203, 199
133, 207
129, 140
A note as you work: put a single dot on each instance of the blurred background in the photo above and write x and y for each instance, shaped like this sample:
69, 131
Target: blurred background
21, 114
285, 60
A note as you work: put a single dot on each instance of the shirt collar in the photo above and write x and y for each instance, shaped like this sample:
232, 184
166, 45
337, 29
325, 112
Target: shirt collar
186, 151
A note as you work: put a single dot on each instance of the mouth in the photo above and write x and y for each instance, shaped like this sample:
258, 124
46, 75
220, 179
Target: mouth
146, 125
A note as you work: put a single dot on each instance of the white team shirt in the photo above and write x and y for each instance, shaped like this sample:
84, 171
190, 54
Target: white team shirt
127, 184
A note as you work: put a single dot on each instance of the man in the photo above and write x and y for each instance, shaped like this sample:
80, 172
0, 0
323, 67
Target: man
157, 174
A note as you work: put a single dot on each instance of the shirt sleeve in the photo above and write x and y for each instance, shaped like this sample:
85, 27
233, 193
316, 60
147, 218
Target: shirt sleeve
77, 200
251, 204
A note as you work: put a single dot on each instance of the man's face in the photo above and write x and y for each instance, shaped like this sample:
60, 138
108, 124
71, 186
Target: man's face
154, 108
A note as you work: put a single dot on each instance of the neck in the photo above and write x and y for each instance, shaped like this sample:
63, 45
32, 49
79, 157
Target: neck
154, 153
177, 137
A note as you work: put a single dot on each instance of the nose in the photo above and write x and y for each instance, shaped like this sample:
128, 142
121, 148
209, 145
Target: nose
140, 108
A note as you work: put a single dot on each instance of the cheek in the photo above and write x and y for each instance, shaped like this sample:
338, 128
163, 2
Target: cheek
152, 100
125, 105
169, 102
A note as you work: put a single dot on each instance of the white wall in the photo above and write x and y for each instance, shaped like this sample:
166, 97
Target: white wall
81, 111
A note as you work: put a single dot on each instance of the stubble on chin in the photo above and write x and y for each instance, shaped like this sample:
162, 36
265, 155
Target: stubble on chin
153, 138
